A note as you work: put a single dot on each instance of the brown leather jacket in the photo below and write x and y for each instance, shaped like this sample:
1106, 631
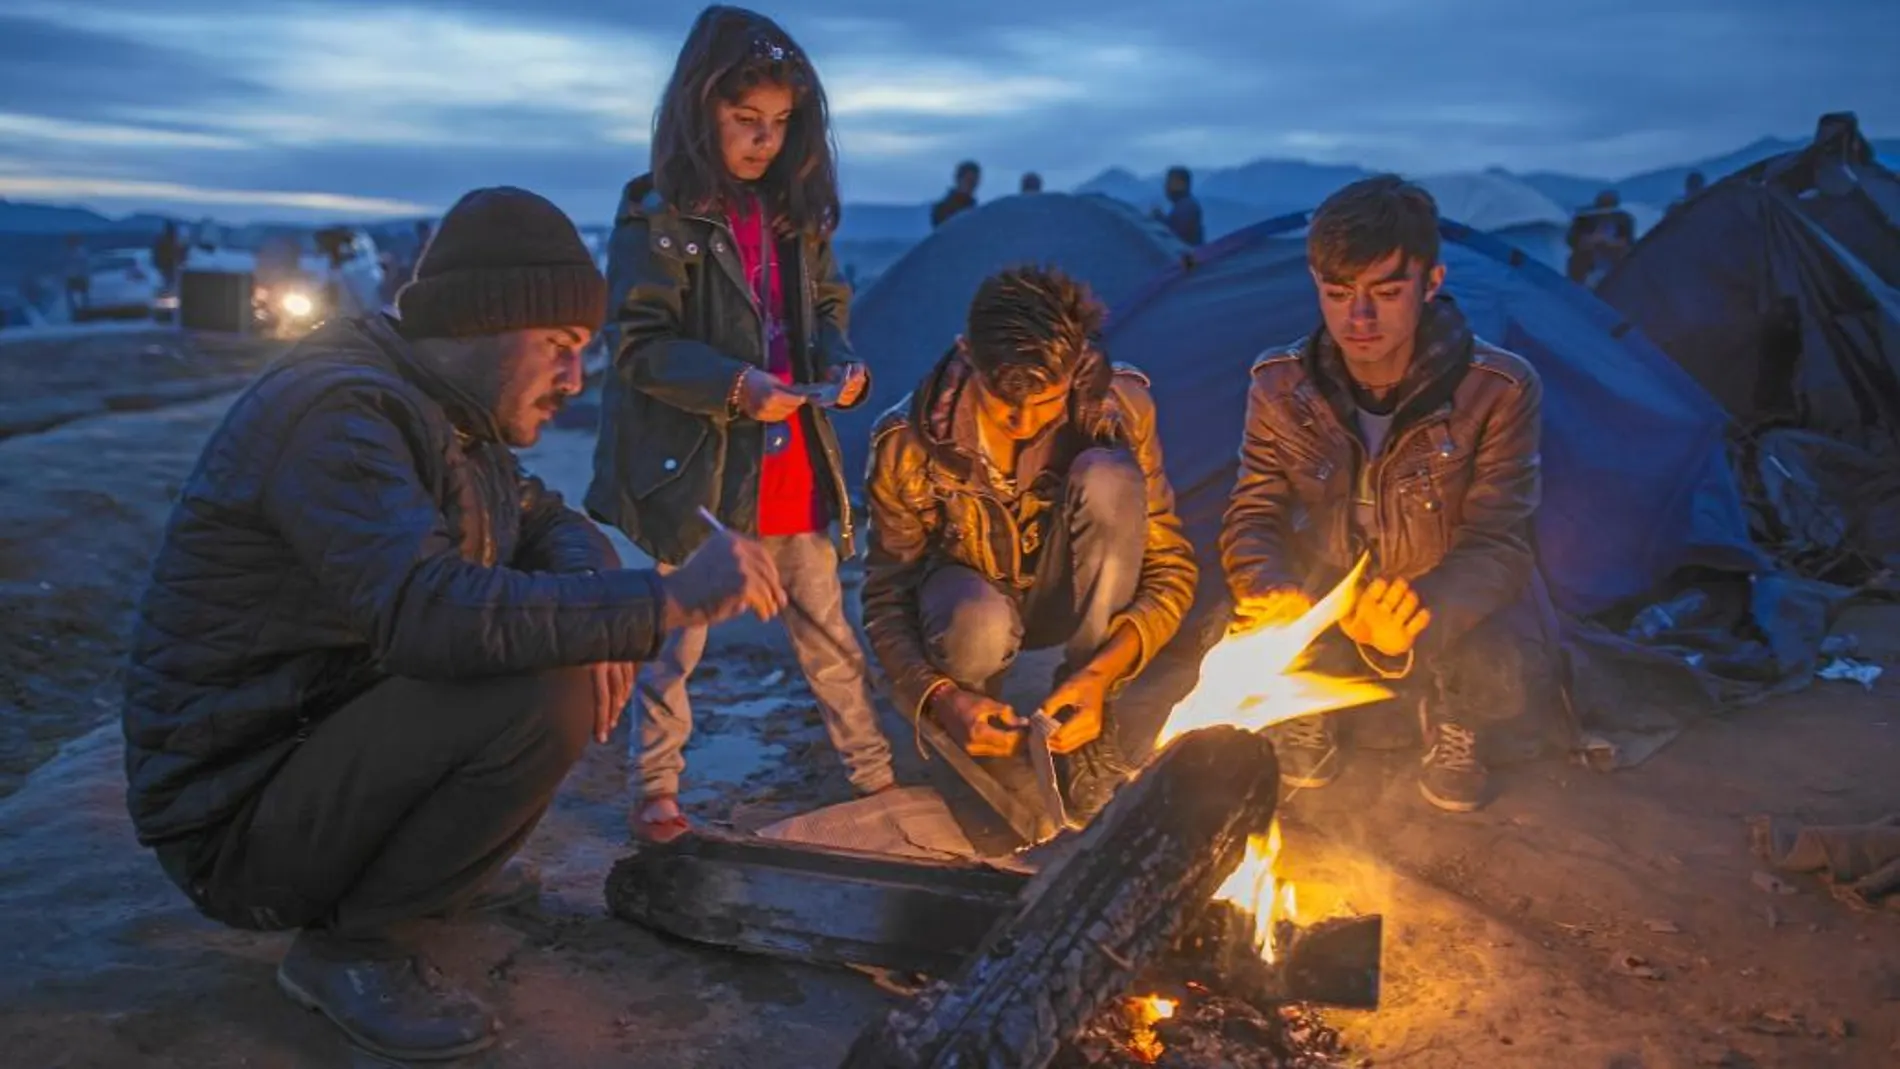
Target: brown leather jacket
928, 506
1455, 485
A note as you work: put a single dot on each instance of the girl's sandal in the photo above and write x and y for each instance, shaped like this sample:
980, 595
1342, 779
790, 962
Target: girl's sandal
654, 824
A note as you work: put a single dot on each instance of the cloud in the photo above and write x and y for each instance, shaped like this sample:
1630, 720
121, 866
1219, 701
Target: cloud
170, 193
14, 126
417, 100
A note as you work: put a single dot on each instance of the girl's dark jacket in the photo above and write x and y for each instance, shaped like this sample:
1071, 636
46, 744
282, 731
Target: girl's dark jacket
685, 326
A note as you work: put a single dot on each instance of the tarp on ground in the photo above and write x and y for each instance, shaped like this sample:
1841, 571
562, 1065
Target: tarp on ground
1637, 480
905, 321
1773, 316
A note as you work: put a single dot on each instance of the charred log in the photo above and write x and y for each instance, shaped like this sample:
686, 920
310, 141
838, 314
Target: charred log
1095, 918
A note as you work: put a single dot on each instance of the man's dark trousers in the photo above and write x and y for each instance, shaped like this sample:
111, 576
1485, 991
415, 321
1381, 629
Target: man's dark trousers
398, 806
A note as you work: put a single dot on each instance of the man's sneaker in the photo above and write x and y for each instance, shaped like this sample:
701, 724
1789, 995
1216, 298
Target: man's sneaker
1308, 750
397, 1007
1095, 773
1451, 777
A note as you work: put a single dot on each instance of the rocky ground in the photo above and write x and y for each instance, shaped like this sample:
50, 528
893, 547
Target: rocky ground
1582, 920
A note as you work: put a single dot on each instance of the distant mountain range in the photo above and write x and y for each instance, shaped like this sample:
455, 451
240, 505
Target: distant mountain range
1235, 196
1230, 197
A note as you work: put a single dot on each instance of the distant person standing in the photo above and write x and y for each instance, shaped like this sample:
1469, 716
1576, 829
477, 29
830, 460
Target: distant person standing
1692, 184
962, 195
1600, 236
1032, 182
168, 254
1184, 212
78, 278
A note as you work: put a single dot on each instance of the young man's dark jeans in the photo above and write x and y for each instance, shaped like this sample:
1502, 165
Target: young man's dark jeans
397, 807
1087, 572
1498, 680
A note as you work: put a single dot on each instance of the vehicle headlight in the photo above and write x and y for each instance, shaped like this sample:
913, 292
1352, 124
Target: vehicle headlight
297, 304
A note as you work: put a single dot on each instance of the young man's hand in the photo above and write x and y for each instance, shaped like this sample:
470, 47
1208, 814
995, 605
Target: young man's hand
1387, 617
1083, 694
1281, 606
984, 726
613, 686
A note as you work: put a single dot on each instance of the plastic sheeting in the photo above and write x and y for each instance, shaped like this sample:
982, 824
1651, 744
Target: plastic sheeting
909, 317
1637, 482
1771, 315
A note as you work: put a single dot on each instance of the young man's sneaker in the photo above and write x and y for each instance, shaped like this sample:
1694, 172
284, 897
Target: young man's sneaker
395, 1006
1451, 777
1308, 750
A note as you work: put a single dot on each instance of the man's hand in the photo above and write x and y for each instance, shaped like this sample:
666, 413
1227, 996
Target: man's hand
723, 578
985, 726
1083, 694
1387, 617
855, 381
1282, 606
613, 686
764, 398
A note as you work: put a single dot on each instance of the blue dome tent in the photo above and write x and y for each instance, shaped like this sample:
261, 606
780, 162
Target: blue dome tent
905, 321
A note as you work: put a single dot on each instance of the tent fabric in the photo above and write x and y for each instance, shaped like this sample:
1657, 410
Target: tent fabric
1637, 480
1506, 208
1489, 201
902, 324
1752, 296
1838, 182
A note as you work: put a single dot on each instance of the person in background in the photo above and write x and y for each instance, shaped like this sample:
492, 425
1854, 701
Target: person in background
168, 255
727, 330
1392, 431
962, 195
373, 647
78, 278
1599, 237
1018, 500
1692, 184
1184, 212
1032, 182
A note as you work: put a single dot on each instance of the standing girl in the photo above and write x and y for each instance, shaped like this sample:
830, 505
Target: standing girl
728, 334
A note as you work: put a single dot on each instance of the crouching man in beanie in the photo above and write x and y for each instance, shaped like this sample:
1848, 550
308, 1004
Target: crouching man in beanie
1018, 499
373, 646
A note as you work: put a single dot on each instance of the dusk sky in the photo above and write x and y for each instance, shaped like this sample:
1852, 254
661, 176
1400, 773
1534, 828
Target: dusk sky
280, 109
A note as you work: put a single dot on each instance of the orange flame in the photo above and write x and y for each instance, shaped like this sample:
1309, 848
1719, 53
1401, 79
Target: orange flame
1256, 680
1255, 887
1146, 1011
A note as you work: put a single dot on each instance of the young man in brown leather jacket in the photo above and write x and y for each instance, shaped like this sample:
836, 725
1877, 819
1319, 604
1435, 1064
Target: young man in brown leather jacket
1001, 494
1393, 431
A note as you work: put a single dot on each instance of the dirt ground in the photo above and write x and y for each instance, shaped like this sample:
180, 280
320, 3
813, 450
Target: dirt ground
1502, 926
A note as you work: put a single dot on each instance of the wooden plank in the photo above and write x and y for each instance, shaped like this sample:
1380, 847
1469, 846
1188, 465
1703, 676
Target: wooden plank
812, 903
1027, 820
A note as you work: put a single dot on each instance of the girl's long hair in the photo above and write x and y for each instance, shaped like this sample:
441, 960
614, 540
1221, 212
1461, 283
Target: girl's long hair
729, 51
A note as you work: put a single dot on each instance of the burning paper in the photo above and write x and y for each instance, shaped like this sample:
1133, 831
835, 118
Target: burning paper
1255, 680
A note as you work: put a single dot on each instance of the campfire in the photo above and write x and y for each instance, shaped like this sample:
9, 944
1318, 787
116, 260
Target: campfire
1162, 934
1252, 681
